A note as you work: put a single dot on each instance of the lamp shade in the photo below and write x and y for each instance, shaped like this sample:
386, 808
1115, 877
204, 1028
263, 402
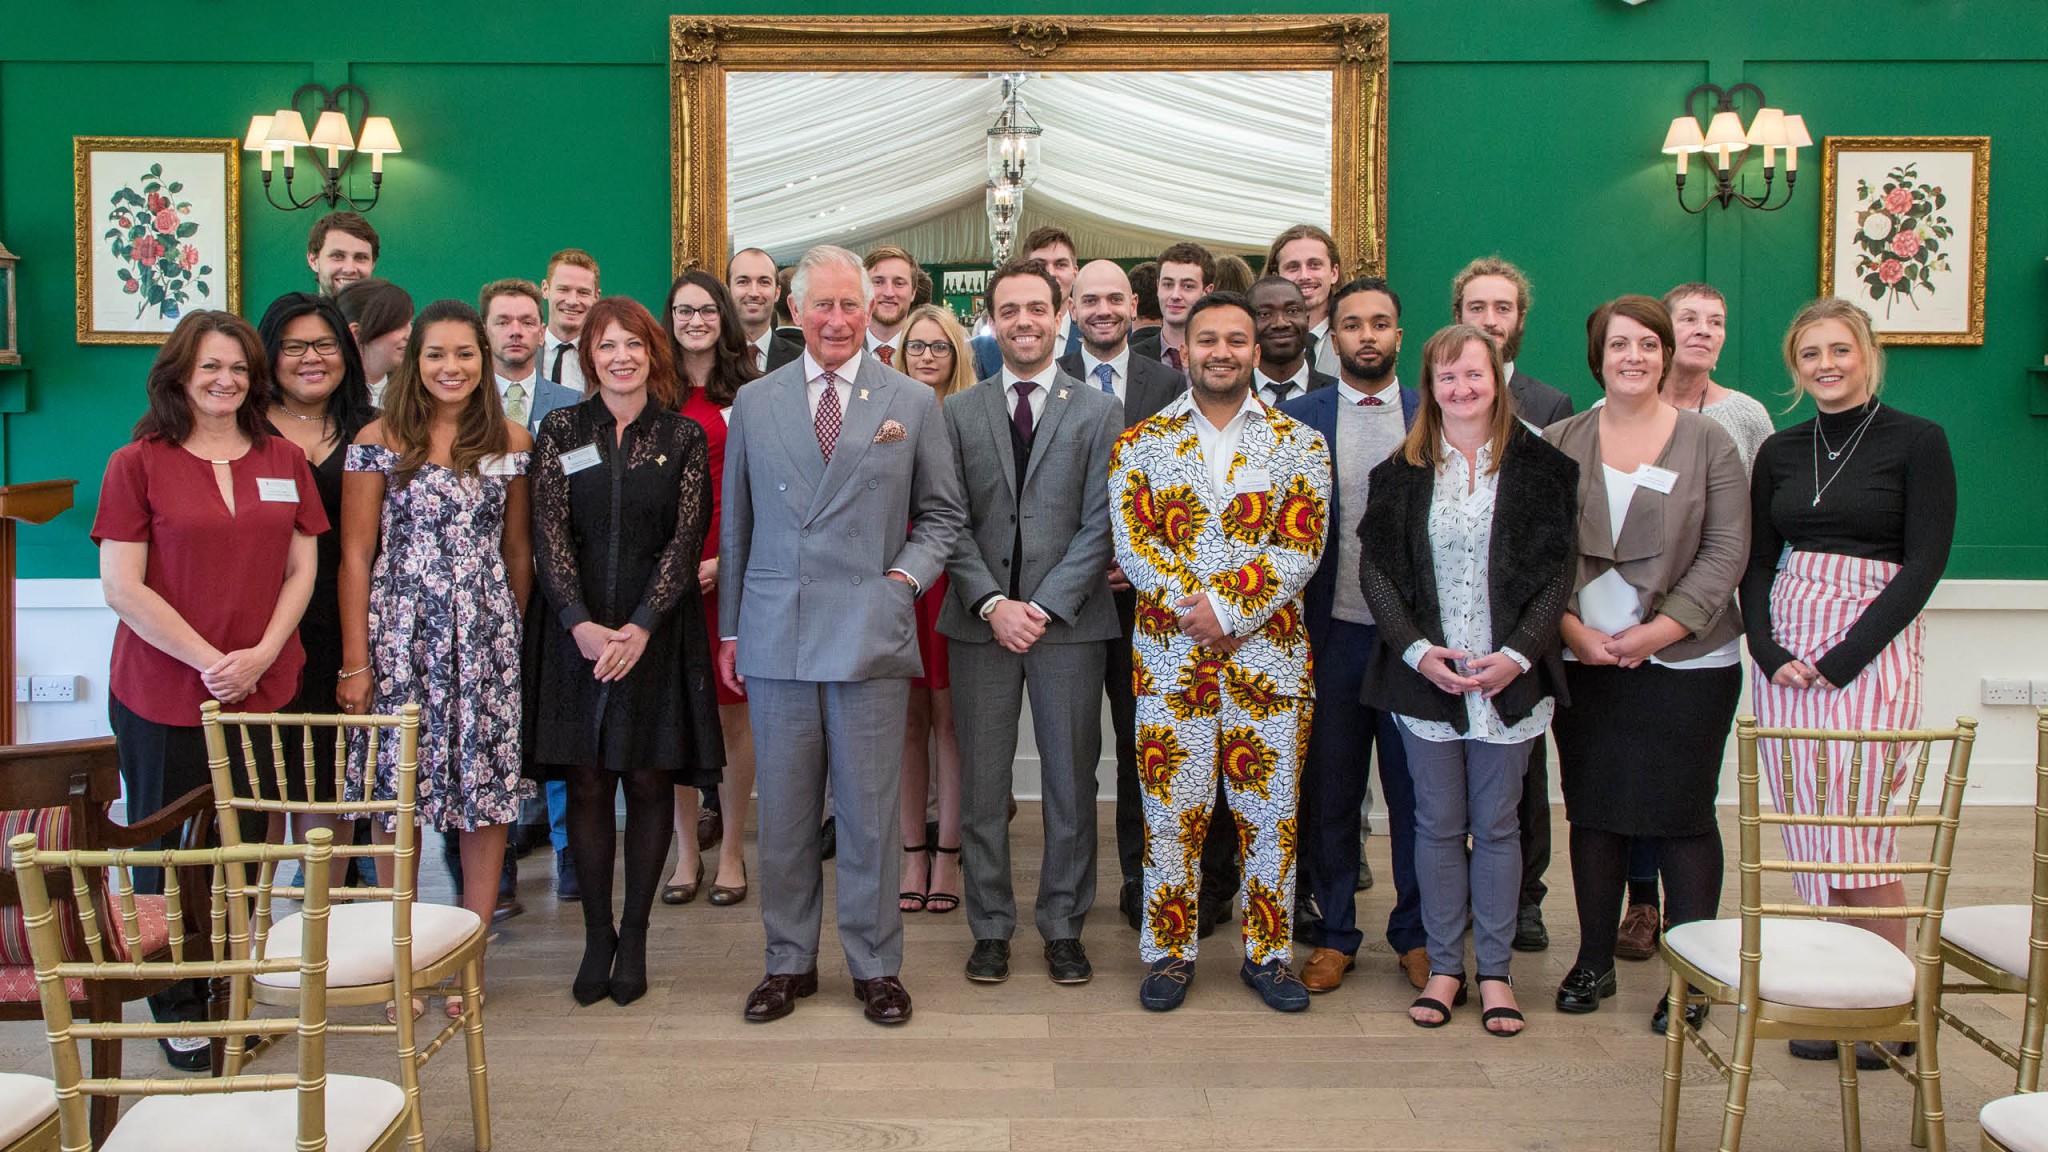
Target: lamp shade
1726, 132
1795, 133
287, 128
1684, 136
1768, 129
332, 132
378, 136
258, 138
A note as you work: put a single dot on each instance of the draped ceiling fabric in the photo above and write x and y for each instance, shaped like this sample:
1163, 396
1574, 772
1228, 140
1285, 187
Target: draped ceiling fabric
1131, 160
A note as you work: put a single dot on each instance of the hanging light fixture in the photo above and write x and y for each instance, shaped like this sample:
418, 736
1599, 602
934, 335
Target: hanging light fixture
1725, 142
284, 132
1004, 203
1013, 140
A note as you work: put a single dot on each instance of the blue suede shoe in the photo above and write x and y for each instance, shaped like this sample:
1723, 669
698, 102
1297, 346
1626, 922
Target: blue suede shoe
1166, 984
1277, 985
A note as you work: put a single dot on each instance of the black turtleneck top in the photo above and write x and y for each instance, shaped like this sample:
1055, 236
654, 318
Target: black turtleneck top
1893, 500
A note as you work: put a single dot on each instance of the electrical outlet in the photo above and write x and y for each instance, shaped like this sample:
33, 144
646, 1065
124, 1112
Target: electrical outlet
52, 689
2041, 693
2006, 691
21, 689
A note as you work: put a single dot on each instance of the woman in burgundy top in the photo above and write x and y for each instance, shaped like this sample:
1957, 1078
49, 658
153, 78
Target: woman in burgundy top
202, 480
712, 359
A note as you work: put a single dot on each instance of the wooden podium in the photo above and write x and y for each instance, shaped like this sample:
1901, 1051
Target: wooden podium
37, 502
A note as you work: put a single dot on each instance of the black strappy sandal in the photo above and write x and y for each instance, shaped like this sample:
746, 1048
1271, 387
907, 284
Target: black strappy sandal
903, 899
1487, 1017
1432, 1004
940, 902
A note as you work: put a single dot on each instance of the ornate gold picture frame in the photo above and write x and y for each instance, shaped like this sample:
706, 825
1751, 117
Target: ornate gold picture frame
1903, 225
1353, 49
159, 232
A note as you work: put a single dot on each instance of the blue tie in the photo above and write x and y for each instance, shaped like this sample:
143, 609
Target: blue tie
1104, 373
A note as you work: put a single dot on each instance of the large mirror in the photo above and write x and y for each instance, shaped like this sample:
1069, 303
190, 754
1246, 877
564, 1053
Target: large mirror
871, 130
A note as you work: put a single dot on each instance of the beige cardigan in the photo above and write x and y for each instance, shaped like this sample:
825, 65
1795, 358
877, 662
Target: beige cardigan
1684, 553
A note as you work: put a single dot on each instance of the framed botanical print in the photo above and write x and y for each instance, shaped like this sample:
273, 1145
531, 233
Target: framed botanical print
159, 232
1902, 233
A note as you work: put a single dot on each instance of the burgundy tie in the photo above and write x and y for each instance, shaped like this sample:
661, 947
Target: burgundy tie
887, 355
1371, 402
1172, 358
1022, 418
828, 417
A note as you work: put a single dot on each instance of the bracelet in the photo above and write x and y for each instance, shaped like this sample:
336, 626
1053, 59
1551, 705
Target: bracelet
357, 672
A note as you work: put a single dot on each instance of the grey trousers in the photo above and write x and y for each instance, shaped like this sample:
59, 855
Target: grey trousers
1065, 686
851, 733
1467, 787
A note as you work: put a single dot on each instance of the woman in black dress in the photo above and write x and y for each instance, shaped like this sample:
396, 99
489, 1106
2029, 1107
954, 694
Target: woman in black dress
620, 682
318, 401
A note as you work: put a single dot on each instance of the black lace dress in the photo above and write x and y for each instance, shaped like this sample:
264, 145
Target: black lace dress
616, 541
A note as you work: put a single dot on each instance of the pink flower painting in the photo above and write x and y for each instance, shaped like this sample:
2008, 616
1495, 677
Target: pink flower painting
158, 259
1899, 236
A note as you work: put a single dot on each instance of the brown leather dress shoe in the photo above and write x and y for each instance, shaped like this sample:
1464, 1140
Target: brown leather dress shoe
776, 995
710, 826
1325, 969
1637, 938
1415, 962
888, 1002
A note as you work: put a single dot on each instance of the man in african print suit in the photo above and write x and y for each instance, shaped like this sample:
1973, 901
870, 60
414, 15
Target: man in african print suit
1219, 553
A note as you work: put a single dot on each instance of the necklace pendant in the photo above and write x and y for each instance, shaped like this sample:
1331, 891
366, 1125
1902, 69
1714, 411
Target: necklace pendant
1816, 500
1834, 455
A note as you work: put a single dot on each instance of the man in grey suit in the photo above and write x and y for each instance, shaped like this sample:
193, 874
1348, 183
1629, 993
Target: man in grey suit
841, 504
1028, 607
1494, 294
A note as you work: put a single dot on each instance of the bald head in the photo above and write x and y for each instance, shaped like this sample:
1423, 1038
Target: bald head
1104, 308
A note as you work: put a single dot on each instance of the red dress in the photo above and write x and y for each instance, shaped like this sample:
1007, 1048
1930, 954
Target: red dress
713, 420
931, 643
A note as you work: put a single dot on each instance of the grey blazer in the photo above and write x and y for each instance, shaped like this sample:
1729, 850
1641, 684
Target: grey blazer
806, 547
1684, 552
1062, 511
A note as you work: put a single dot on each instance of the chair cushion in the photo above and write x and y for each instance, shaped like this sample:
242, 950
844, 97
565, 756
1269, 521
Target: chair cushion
2018, 1122
359, 941
359, 1110
25, 1101
1807, 963
18, 986
53, 832
1995, 932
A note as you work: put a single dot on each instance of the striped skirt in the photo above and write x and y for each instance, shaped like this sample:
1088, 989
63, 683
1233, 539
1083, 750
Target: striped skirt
1815, 600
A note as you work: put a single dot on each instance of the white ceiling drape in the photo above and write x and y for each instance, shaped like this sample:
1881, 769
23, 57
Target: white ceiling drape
1131, 160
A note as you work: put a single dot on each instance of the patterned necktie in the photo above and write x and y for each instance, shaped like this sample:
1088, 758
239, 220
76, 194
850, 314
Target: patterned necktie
828, 417
515, 403
887, 355
1370, 402
1022, 418
1106, 374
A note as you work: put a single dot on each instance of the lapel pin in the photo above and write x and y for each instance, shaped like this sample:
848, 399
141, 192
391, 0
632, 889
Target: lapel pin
660, 460
863, 393
1063, 394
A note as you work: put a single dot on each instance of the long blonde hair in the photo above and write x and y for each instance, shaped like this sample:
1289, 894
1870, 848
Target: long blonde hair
1858, 322
963, 353
409, 411
1423, 447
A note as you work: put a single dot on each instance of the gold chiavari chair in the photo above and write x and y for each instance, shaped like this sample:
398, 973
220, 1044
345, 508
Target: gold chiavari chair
2016, 1123
2004, 947
388, 948
308, 1110
28, 1113
1795, 971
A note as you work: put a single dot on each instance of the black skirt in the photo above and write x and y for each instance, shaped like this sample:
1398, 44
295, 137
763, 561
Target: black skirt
1639, 750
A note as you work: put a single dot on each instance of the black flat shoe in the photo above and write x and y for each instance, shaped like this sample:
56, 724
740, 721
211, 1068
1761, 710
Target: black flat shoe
1530, 934
594, 975
1583, 990
990, 962
1695, 1015
683, 893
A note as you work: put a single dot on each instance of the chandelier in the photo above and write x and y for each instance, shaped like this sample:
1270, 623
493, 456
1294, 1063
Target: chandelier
1013, 165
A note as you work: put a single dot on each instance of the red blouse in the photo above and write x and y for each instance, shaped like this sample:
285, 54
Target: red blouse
221, 571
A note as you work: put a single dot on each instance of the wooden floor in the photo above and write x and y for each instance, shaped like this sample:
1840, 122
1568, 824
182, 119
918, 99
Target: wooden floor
1027, 1065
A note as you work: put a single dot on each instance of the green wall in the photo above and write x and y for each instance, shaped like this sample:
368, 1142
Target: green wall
1526, 128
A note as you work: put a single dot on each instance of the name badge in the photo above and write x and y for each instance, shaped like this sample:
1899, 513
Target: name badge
499, 465
577, 461
279, 491
1656, 479
1252, 480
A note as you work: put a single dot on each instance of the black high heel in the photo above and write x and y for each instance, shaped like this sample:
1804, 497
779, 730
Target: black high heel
1442, 1010
940, 901
1487, 1017
593, 976
629, 967
915, 901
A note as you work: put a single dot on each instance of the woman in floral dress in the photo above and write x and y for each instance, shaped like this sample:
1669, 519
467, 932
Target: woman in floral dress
434, 617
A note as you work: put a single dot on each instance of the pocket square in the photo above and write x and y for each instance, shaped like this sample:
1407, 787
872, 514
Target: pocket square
890, 433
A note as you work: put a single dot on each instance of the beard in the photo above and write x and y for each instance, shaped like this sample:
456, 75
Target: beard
1511, 346
1370, 371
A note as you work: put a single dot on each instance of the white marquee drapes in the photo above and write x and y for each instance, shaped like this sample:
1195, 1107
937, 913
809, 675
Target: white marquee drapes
1130, 159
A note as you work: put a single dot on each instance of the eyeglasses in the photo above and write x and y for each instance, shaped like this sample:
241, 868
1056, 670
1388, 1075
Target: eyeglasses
684, 312
920, 347
325, 346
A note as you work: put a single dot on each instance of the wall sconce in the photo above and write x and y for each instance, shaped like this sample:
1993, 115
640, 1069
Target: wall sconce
10, 336
284, 132
1726, 143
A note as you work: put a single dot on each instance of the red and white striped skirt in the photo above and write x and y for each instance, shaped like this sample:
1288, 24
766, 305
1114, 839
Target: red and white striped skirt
1815, 600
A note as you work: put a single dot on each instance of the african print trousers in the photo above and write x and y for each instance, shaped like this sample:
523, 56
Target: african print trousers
1259, 756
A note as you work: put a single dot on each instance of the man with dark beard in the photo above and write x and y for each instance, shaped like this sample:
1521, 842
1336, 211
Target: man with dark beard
1363, 419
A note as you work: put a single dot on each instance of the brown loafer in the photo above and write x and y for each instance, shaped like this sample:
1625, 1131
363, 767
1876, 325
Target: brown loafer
1325, 969
1415, 962
1637, 938
710, 827
888, 1002
776, 995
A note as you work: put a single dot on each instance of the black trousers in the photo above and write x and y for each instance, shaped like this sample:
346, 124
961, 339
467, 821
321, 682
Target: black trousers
160, 763
1534, 817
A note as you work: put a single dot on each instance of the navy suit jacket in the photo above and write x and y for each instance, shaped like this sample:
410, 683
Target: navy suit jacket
1148, 387
1318, 410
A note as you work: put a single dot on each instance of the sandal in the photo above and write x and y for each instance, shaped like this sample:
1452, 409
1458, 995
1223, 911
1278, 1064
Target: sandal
914, 901
454, 1006
419, 1009
942, 901
1487, 1017
1432, 1004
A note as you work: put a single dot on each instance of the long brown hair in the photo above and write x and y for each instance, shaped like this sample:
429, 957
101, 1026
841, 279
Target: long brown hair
732, 357
1423, 447
170, 412
409, 411
634, 317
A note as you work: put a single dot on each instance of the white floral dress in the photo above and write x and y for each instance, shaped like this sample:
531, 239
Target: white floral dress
444, 633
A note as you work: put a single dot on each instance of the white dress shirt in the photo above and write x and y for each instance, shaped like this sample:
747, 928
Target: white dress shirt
1274, 391
761, 349
1119, 371
571, 373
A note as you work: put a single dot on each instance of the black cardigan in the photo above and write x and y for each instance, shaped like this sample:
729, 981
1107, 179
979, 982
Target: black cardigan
1533, 553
